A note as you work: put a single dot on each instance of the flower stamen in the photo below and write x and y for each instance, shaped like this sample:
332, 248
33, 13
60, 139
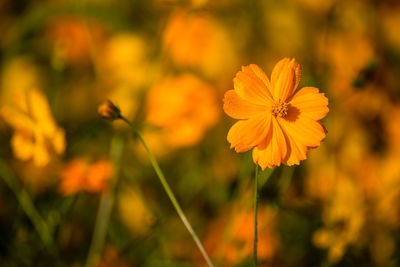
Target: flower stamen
280, 109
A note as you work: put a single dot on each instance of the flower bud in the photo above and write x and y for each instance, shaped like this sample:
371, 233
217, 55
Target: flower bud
108, 110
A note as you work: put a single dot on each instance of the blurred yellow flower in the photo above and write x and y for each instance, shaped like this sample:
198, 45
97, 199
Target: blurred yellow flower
19, 74
134, 212
184, 107
126, 70
81, 175
125, 60
343, 219
196, 40
278, 121
36, 134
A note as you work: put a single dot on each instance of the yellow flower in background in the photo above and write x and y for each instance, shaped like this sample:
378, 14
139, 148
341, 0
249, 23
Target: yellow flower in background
19, 74
195, 40
36, 136
81, 175
126, 70
125, 59
184, 107
277, 121
134, 212
343, 219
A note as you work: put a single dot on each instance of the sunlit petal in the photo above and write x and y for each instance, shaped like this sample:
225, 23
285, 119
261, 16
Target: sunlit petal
246, 134
251, 88
239, 108
311, 103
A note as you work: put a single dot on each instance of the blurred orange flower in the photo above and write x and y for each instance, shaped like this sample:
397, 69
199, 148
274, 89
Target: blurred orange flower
230, 237
80, 175
278, 121
184, 107
36, 134
71, 37
195, 39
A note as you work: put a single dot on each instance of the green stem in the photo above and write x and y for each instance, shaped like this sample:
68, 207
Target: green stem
255, 214
27, 206
170, 193
105, 207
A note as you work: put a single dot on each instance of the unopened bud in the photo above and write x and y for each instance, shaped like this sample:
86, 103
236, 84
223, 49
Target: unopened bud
108, 110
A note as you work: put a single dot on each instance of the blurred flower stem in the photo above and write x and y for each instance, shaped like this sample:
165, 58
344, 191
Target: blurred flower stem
27, 206
265, 180
169, 192
105, 206
255, 213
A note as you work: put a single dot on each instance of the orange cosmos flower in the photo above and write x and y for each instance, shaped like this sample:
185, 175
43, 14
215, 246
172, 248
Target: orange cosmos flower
184, 107
278, 121
81, 175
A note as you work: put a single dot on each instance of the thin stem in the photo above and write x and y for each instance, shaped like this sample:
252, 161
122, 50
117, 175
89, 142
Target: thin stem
267, 175
255, 214
27, 206
170, 193
105, 207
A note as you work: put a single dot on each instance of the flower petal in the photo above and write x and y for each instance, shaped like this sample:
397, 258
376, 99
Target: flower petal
253, 69
310, 102
41, 112
246, 134
22, 145
284, 78
17, 119
273, 150
296, 152
302, 129
251, 88
239, 108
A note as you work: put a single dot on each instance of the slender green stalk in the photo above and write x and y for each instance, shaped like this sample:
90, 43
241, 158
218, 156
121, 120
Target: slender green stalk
27, 206
105, 206
255, 214
266, 176
170, 193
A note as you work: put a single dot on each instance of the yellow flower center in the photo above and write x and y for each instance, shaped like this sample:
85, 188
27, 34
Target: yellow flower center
280, 109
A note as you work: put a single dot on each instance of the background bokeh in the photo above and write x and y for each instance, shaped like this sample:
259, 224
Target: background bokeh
167, 64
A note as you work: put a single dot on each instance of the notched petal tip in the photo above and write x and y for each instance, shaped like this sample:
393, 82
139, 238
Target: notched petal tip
285, 78
252, 85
